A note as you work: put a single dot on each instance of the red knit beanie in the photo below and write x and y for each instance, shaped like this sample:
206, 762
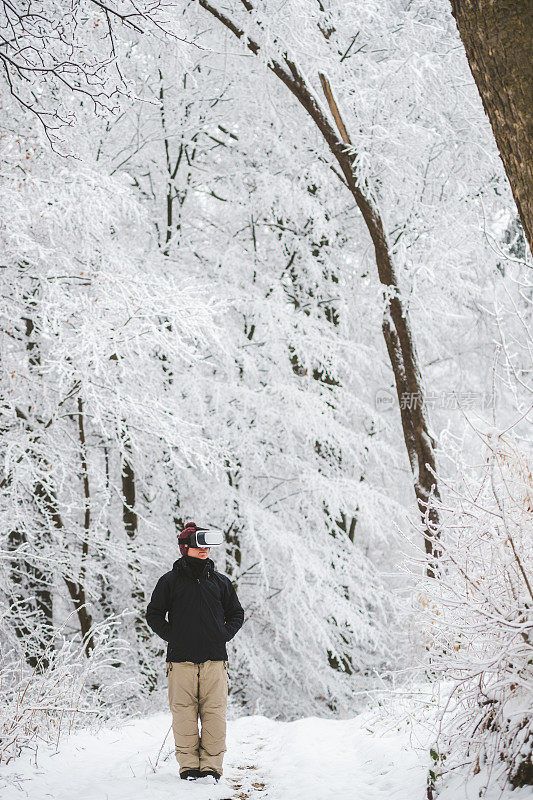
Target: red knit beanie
189, 528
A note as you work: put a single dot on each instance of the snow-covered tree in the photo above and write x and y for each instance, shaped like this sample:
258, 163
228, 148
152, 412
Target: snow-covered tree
478, 610
192, 327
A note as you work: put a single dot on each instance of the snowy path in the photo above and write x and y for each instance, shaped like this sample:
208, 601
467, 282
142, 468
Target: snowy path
309, 759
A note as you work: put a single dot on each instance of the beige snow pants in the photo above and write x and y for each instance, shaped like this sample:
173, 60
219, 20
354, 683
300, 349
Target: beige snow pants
198, 690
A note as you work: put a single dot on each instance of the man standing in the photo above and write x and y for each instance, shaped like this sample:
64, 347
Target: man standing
203, 614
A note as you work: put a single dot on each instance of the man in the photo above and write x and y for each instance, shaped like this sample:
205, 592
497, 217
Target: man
203, 614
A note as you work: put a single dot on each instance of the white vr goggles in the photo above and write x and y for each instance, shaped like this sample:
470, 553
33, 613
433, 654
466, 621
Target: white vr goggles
205, 538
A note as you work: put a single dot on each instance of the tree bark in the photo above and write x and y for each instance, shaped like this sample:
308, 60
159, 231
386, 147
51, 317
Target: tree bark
48, 507
31, 603
31, 599
36, 579
131, 525
46, 504
105, 580
396, 326
86, 491
498, 39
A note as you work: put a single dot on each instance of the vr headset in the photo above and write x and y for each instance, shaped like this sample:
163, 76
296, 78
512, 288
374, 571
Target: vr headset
204, 538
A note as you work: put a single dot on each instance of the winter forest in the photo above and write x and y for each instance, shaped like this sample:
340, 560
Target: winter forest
267, 266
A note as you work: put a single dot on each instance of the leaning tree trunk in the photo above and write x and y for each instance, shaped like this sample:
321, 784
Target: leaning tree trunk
396, 325
498, 39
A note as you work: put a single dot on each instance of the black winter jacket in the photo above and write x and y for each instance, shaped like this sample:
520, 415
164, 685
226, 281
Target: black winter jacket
203, 613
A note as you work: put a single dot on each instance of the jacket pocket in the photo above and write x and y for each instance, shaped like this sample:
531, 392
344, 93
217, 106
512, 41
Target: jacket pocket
221, 626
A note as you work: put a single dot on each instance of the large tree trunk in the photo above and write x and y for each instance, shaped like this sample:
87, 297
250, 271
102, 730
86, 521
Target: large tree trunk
498, 39
396, 326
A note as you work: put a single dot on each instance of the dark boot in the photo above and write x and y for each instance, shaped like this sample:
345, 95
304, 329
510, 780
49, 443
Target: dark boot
190, 774
214, 774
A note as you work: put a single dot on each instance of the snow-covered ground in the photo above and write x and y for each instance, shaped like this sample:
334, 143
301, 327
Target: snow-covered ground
308, 759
